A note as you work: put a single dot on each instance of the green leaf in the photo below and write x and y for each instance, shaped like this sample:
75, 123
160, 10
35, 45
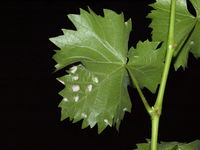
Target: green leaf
146, 64
187, 29
168, 146
101, 45
162, 146
144, 146
95, 91
195, 145
96, 97
97, 39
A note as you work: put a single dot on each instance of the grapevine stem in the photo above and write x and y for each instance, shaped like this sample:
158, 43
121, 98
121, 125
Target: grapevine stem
169, 55
158, 104
154, 130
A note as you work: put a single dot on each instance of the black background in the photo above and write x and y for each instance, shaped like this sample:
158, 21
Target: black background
30, 117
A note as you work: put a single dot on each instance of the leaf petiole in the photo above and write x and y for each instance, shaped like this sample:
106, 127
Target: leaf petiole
135, 82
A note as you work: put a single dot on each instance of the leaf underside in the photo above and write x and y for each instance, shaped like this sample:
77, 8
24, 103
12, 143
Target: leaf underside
187, 29
96, 91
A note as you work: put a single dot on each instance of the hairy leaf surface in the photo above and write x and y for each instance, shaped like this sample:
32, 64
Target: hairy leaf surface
187, 29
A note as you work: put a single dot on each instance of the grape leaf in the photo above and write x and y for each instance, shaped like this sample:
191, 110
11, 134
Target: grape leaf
97, 39
146, 64
96, 91
195, 145
96, 97
162, 146
187, 29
